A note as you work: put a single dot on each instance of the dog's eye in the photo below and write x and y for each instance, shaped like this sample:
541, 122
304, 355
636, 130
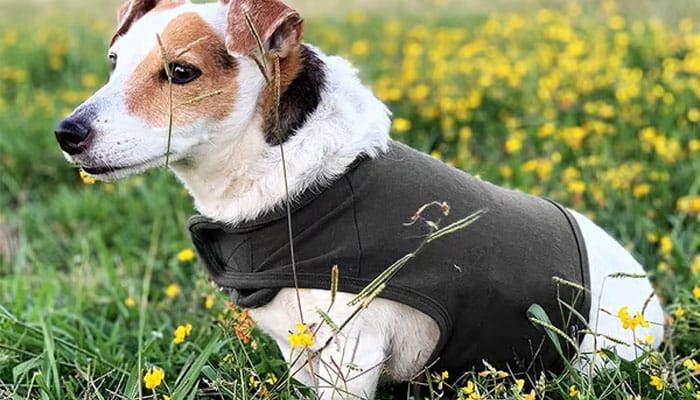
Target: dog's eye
112, 60
181, 73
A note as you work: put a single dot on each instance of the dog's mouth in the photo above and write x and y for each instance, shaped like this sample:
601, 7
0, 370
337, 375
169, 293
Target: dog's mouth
112, 172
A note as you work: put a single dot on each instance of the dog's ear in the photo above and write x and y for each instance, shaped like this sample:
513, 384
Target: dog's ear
132, 10
280, 27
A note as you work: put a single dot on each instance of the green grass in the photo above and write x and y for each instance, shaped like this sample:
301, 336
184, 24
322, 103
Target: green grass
66, 330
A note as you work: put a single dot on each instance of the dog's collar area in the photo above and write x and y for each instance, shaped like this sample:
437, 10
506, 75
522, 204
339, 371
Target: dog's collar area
484, 276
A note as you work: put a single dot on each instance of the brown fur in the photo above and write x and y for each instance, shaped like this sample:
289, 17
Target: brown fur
267, 17
147, 94
132, 10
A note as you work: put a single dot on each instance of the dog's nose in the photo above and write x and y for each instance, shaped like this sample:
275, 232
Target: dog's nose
70, 133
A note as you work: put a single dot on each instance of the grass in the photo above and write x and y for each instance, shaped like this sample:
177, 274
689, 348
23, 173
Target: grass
596, 112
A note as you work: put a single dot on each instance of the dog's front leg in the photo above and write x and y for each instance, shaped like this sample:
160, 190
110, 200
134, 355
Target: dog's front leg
344, 365
351, 362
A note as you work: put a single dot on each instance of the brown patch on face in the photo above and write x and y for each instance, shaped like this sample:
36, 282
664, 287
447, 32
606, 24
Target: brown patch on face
147, 93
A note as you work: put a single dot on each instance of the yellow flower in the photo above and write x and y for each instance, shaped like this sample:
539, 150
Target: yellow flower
666, 245
253, 381
301, 338
656, 382
577, 187
209, 302
89, 80
129, 301
616, 22
692, 365
573, 392
469, 389
154, 376
641, 190
679, 312
172, 290
506, 172
87, 180
631, 322
520, 383
181, 332
530, 396
401, 125
271, 378
696, 292
185, 255
514, 145
360, 48
649, 339
444, 375
166, 397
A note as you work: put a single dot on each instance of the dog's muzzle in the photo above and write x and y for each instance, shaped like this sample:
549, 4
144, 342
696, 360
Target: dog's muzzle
71, 133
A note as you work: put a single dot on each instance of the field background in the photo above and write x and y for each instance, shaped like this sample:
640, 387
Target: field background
594, 104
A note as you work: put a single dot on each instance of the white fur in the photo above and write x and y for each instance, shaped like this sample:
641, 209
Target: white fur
234, 175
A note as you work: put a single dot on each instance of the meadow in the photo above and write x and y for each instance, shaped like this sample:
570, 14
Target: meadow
591, 106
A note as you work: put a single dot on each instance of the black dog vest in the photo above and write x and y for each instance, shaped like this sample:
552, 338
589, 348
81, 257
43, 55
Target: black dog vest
476, 283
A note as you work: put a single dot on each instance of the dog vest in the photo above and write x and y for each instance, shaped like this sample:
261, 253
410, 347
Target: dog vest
477, 283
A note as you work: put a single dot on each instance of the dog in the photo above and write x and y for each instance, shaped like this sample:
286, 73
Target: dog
223, 141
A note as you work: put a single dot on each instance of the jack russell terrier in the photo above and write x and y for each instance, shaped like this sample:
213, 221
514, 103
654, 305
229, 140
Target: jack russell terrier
462, 299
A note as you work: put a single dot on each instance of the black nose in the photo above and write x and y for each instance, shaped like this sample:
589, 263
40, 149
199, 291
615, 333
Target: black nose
70, 133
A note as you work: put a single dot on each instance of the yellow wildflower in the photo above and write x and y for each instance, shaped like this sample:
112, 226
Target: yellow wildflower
641, 190
506, 172
629, 322
87, 179
656, 382
692, 365
652, 237
649, 339
444, 375
254, 381
209, 302
301, 338
573, 392
530, 396
172, 290
469, 389
679, 312
360, 48
520, 383
166, 397
129, 301
154, 376
401, 125
271, 378
577, 187
181, 332
666, 245
514, 145
185, 255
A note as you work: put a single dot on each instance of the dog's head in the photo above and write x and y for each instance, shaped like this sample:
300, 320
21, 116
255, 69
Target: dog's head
207, 51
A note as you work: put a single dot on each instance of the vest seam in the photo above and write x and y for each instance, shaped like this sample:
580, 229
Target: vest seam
357, 226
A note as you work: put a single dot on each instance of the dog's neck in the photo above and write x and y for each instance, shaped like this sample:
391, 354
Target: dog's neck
237, 177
